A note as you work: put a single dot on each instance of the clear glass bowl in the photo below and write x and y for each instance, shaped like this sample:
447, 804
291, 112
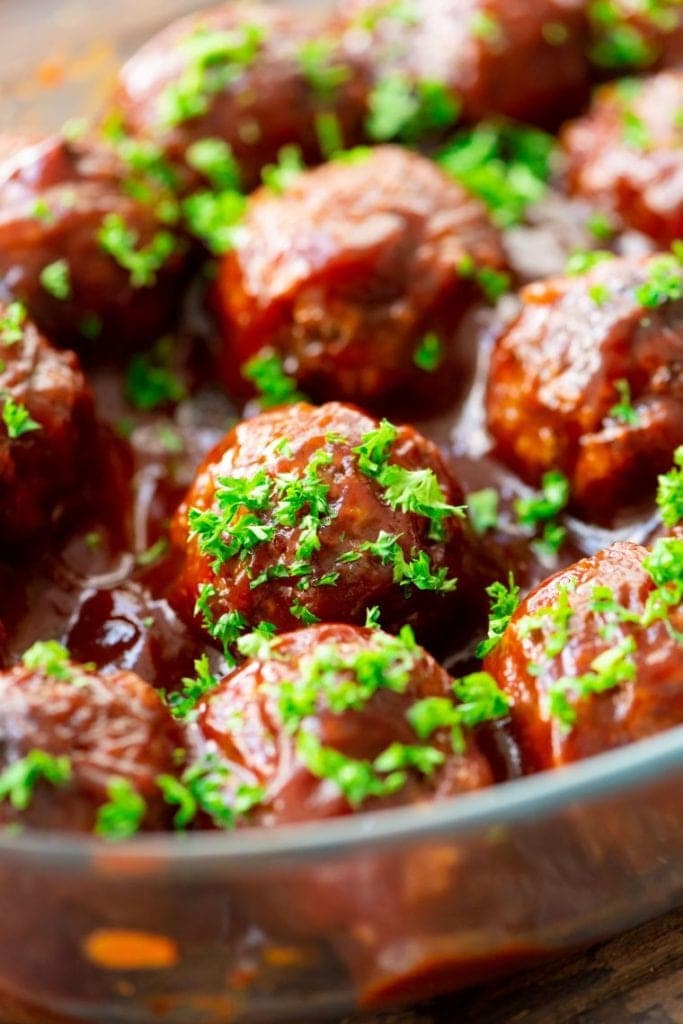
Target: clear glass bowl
307, 922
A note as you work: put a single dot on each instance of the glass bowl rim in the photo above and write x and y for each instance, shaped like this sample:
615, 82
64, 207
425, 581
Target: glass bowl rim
255, 849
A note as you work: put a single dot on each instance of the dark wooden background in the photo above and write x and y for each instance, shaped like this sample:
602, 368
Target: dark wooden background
636, 978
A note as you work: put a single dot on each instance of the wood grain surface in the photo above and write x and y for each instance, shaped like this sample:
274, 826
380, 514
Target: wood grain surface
636, 978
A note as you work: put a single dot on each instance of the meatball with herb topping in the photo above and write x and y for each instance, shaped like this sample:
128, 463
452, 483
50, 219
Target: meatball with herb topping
432, 61
91, 263
357, 277
588, 380
46, 432
591, 660
332, 719
81, 751
311, 514
253, 76
626, 154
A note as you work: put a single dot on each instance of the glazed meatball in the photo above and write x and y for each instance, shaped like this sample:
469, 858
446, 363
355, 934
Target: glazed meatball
92, 264
69, 732
479, 58
318, 514
589, 380
348, 272
626, 154
46, 432
320, 721
591, 660
256, 77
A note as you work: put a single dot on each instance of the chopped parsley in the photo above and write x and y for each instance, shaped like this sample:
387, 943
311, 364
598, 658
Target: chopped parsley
121, 243
542, 509
504, 603
670, 492
122, 815
183, 703
664, 282
340, 679
53, 660
330, 134
482, 508
227, 628
56, 280
417, 491
600, 293
280, 176
267, 373
215, 218
152, 554
428, 355
506, 165
583, 260
623, 411
493, 283
479, 700
259, 644
610, 669
320, 66
202, 789
215, 160
17, 419
618, 43
12, 323
402, 109
19, 779
357, 780
214, 61
150, 382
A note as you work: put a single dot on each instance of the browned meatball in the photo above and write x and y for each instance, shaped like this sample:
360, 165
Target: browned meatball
589, 380
67, 732
254, 76
303, 515
348, 272
592, 659
626, 154
46, 431
522, 58
321, 721
91, 263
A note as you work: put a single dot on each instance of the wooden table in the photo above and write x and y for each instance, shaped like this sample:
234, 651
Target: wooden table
634, 979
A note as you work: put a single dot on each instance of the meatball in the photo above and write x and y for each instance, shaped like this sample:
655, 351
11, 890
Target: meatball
68, 735
254, 76
626, 154
589, 380
47, 428
591, 660
91, 263
320, 721
479, 58
318, 514
348, 272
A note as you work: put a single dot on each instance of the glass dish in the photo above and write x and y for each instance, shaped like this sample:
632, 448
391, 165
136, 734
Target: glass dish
304, 923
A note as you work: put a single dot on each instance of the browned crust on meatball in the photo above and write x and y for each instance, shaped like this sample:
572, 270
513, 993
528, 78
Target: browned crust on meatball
553, 385
649, 704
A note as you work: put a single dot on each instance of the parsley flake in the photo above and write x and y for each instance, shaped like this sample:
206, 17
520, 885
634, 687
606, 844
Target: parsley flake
56, 280
267, 373
623, 411
504, 603
428, 355
143, 264
12, 323
122, 815
670, 492
19, 779
17, 418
